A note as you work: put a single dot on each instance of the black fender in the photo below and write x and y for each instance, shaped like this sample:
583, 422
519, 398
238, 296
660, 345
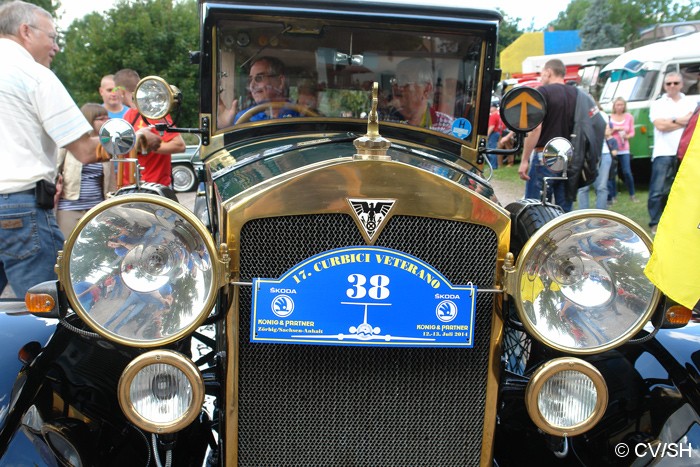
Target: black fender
677, 351
19, 331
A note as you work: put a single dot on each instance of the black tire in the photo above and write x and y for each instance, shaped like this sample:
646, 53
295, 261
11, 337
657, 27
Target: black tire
527, 216
184, 178
151, 188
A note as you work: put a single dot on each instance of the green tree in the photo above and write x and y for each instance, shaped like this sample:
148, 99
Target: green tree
596, 31
572, 18
628, 16
153, 37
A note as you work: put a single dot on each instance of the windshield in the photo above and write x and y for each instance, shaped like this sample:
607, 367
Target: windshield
631, 86
311, 68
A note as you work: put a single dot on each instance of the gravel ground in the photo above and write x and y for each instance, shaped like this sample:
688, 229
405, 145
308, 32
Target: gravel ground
507, 192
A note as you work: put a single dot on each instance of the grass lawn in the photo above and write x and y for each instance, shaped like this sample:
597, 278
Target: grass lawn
635, 211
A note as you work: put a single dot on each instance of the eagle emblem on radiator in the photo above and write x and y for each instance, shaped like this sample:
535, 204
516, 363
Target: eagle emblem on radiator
371, 213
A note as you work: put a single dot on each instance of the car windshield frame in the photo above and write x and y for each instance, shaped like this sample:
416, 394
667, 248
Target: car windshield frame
339, 59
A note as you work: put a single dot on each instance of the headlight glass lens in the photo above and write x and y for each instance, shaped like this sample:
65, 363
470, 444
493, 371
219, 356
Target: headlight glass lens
153, 98
567, 399
566, 396
581, 282
140, 272
160, 393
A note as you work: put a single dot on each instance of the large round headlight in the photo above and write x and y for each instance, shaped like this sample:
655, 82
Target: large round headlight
580, 283
141, 270
154, 98
161, 391
566, 397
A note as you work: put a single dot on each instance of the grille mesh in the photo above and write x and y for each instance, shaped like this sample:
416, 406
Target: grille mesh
338, 406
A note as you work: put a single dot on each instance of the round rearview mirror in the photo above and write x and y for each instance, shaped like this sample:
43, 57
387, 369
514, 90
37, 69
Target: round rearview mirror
557, 153
523, 108
117, 136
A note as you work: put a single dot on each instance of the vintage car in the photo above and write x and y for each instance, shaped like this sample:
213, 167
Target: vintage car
353, 293
185, 167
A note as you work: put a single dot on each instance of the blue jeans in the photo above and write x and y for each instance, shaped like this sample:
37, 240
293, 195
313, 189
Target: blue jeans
663, 172
556, 188
29, 243
600, 185
625, 161
612, 179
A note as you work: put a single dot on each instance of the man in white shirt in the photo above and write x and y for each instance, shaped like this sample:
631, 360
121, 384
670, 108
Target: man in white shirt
38, 116
669, 114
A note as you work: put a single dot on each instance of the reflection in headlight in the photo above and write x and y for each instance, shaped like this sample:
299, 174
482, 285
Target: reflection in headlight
576, 280
141, 271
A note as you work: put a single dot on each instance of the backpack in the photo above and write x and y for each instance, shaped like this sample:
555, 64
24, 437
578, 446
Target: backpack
587, 139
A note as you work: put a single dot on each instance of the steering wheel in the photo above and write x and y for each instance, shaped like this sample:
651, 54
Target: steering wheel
256, 109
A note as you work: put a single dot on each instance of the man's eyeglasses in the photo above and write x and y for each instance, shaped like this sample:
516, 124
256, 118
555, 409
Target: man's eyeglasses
672, 83
51, 35
401, 83
260, 77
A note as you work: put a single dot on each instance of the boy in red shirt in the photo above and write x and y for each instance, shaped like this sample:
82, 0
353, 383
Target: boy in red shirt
155, 166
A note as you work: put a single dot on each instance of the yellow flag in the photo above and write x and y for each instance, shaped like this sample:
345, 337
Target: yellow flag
674, 266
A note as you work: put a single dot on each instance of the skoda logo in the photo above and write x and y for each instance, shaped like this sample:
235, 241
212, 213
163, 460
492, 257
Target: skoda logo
282, 306
446, 311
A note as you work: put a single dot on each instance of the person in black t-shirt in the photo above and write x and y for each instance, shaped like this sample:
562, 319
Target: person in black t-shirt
558, 122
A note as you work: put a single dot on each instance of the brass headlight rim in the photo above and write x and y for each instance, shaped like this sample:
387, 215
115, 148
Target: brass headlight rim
171, 96
546, 371
63, 268
547, 229
168, 357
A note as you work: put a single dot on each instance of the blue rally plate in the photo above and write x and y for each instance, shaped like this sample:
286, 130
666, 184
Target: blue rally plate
363, 296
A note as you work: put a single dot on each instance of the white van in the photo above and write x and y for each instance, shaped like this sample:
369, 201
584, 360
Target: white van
637, 76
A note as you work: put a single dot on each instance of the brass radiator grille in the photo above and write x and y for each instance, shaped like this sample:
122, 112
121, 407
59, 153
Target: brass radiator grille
337, 406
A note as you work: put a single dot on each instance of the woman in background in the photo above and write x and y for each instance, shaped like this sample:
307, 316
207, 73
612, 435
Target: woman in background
84, 185
622, 124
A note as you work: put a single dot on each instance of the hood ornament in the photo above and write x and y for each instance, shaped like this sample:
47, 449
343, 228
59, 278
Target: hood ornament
371, 214
372, 145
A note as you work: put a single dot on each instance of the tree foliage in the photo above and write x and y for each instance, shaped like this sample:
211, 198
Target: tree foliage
629, 17
596, 31
153, 37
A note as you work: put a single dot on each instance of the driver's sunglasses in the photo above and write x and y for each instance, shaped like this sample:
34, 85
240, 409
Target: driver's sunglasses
260, 77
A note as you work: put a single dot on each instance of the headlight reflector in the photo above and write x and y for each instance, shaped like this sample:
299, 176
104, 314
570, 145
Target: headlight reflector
141, 269
580, 283
154, 98
566, 397
161, 391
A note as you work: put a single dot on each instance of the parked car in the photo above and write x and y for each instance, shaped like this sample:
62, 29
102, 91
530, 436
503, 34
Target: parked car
185, 166
352, 292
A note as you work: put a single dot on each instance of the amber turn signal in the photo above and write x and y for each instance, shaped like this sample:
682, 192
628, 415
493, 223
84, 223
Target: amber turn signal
678, 314
39, 303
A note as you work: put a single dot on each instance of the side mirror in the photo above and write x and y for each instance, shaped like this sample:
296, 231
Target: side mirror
117, 136
556, 155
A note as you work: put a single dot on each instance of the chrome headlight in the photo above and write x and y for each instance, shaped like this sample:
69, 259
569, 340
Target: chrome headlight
154, 98
141, 270
161, 391
579, 282
566, 397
